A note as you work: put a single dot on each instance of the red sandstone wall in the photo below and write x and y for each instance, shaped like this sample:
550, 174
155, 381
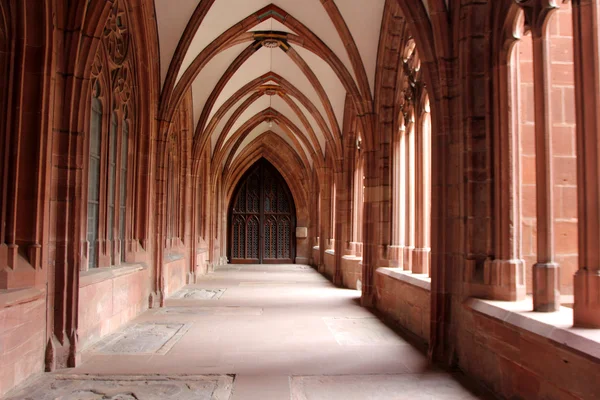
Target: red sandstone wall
22, 339
528, 170
329, 263
563, 142
201, 267
404, 304
175, 275
518, 364
315, 257
108, 303
351, 271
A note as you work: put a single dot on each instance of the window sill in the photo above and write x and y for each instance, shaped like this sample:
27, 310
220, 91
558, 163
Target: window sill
98, 275
14, 297
173, 256
330, 251
352, 258
422, 281
555, 326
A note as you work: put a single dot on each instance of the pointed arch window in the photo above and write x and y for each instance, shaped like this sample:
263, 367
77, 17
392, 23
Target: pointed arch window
93, 219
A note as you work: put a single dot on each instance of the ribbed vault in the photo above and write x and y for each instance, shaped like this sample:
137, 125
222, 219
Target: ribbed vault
270, 67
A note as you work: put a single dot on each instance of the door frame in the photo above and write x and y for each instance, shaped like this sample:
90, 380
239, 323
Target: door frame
262, 164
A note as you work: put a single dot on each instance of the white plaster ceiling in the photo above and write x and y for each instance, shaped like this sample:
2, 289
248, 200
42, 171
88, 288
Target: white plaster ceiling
171, 23
206, 80
362, 18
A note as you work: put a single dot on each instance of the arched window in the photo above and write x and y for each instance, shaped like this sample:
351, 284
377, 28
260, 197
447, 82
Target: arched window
110, 143
94, 180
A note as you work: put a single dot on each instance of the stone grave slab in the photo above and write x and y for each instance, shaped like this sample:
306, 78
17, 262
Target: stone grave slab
89, 387
143, 338
216, 311
269, 284
375, 387
198, 294
361, 331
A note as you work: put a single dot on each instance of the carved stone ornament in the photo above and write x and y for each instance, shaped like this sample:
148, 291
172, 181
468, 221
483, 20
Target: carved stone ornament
116, 33
271, 43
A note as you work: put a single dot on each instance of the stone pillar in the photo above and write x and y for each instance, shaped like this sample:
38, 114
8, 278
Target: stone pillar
505, 275
409, 183
324, 228
342, 219
370, 228
546, 295
396, 251
421, 252
587, 95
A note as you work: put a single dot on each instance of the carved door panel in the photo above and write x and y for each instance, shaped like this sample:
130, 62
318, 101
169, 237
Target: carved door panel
261, 218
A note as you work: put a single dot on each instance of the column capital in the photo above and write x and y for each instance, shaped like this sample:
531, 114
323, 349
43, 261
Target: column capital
536, 14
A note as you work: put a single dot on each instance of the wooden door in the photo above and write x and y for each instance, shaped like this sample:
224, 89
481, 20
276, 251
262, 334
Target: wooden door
262, 221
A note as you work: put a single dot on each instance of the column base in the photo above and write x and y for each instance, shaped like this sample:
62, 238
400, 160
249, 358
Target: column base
408, 258
367, 299
546, 293
191, 278
354, 249
586, 310
396, 256
504, 280
61, 355
421, 258
321, 268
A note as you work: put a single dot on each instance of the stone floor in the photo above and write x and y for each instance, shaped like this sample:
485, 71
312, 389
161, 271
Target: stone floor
254, 332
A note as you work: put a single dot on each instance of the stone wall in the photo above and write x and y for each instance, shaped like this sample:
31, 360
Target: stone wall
315, 257
405, 300
176, 273
22, 336
522, 358
110, 298
329, 264
351, 272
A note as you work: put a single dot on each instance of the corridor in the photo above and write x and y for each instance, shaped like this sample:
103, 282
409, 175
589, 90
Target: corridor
253, 332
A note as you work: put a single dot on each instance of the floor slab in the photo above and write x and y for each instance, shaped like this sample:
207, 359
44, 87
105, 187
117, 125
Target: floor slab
279, 332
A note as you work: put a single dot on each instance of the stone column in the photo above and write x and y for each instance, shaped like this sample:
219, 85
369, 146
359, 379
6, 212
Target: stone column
586, 34
342, 219
546, 295
505, 275
325, 228
409, 177
421, 252
396, 251
372, 201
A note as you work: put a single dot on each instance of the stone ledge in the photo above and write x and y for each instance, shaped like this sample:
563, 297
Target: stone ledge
173, 256
330, 251
98, 275
315, 247
556, 326
419, 280
352, 258
15, 297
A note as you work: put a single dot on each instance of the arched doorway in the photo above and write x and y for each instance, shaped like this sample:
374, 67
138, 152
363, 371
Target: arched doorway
262, 218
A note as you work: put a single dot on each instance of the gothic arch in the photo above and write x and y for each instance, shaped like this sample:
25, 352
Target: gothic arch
284, 158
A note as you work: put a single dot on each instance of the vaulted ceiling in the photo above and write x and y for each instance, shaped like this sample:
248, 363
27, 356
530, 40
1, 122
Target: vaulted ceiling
259, 67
